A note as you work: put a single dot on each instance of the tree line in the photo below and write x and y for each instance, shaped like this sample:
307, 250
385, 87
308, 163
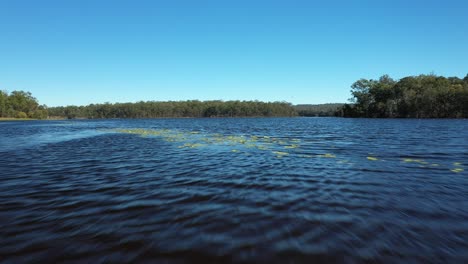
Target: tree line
423, 96
192, 108
318, 109
20, 104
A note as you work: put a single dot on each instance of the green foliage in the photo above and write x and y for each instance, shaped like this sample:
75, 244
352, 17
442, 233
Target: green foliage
20, 114
423, 96
3, 103
20, 104
192, 108
40, 113
318, 109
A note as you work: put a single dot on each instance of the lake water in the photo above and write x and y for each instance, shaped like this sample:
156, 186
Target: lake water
231, 190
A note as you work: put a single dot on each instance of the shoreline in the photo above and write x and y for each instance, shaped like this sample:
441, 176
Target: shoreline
16, 119
8, 119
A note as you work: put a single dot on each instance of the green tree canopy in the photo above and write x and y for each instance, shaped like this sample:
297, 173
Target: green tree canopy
191, 108
423, 96
21, 104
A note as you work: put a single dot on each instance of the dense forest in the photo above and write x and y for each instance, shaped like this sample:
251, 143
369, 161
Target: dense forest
423, 96
194, 108
19, 104
317, 109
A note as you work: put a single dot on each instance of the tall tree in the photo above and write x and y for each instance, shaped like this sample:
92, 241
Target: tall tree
3, 103
420, 96
24, 102
362, 96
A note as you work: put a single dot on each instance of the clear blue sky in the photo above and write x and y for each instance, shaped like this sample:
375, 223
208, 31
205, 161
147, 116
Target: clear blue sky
94, 51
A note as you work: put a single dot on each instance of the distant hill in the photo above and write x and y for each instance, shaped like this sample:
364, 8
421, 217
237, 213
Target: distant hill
318, 109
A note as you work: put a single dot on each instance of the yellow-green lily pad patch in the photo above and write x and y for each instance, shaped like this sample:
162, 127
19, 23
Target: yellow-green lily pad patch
326, 155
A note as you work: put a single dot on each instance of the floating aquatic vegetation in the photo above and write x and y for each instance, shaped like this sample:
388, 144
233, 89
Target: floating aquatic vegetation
196, 145
415, 161
280, 153
326, 155
194, 139
262, 147
251, 144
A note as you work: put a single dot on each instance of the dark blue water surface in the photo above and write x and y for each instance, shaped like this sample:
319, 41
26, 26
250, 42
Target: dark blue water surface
234, 190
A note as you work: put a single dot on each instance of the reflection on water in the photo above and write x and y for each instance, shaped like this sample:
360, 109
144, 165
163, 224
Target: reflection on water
234, 190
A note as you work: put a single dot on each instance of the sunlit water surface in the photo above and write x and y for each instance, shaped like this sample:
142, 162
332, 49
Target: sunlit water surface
234, 190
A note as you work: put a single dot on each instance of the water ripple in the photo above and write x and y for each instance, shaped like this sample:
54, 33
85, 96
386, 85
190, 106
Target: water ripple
234, 190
